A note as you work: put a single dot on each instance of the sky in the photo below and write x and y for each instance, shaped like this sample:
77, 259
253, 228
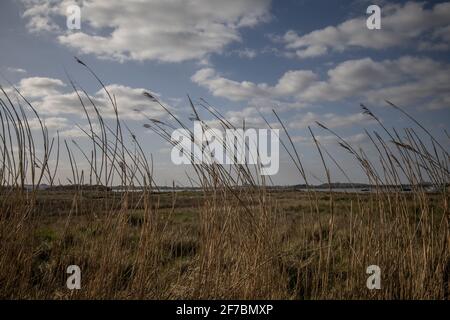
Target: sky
309, 60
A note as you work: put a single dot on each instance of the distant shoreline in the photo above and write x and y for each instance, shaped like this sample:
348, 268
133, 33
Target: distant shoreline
334, 187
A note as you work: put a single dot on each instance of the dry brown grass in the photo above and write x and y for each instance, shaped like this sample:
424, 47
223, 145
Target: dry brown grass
224, 241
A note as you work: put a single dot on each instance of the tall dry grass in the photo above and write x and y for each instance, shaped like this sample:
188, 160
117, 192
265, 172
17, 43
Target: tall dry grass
244, 245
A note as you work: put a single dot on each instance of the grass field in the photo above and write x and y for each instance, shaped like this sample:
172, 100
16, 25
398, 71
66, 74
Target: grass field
171, 252
225, 240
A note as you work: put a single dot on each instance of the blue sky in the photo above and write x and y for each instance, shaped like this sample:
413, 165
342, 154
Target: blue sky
309, 60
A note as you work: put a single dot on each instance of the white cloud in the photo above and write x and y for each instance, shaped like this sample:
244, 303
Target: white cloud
246, 53
330, 120
400, 25
293, 82
290, 83
249, 115
222, 87
52, 97
405, 81
51, 123
16, 70
311, 51
34, 87
170, 31
39, 14
80, 131
330, 139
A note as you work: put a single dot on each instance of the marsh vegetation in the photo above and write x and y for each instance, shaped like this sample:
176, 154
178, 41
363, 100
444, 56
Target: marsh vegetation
236, 238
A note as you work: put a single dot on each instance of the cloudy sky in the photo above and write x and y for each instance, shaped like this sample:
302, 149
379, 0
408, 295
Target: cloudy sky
309, 60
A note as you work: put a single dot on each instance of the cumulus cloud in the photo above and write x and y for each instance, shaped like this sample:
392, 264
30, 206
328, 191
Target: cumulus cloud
34, 87
230, 89
80, 131
406, 81
331, 120
51, 123
52, 97
170, 31
330, 139
401, 25
38, 15
290, 83
238, 119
